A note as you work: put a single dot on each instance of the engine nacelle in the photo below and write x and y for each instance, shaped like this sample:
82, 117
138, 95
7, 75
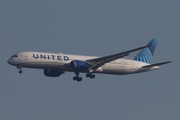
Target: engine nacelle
80, 66
52, 73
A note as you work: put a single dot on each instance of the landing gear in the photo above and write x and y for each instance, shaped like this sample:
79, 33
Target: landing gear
90, 75
77, 78
20, 69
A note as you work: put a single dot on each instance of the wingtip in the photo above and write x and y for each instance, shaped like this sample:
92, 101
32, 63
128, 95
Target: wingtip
170, 61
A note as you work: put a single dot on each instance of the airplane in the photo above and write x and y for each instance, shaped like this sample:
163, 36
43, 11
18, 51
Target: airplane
56, 64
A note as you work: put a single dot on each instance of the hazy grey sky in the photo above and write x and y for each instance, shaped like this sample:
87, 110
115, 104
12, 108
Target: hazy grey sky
93, 27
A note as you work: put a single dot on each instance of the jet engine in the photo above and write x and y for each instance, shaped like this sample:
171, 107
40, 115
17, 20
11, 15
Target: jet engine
80, 66
52, 73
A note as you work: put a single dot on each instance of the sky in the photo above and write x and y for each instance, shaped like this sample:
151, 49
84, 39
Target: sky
89, 27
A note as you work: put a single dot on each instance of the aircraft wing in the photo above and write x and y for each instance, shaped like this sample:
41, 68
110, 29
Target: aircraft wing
156, 64
98, 62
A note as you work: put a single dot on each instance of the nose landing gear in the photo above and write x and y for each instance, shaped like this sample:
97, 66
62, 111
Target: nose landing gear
20, 69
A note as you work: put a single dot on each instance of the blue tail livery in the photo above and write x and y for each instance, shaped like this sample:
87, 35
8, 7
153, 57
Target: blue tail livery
146, 54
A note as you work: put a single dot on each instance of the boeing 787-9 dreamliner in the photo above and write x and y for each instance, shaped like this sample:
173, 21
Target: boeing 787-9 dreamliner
55, 64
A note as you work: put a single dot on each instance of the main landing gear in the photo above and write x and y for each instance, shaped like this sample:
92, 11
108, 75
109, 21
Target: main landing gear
77, 78
20, 69
90, 75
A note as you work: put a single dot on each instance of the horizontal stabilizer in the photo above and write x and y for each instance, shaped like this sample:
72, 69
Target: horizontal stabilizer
157, 64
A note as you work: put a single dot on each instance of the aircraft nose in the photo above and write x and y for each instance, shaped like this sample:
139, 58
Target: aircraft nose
9, 61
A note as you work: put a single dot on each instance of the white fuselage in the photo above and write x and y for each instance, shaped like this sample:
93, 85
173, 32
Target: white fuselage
41, 60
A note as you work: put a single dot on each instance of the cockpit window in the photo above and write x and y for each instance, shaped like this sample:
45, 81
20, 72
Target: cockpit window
14, 56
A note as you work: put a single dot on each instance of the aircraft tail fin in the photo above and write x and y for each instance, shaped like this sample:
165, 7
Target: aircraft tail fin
146, 54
